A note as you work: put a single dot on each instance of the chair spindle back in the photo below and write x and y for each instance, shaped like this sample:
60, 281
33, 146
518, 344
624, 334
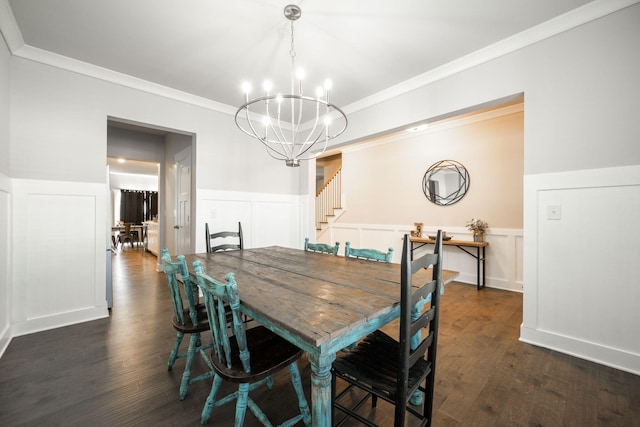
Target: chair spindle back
321, 247
216, 296
368, 254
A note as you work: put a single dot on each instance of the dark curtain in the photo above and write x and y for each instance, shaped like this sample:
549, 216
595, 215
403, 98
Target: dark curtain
138, 206
132, 206
152, 205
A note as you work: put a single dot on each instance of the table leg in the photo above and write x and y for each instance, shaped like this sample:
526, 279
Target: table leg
321, 389
478, 268
484, 278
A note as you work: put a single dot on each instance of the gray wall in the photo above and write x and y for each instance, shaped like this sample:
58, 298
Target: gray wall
5, 154
5, 193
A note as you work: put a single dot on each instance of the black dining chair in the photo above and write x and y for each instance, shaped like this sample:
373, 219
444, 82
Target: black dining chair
223, 240
394, 370
247, 357
190, 319
321, 247
368, 254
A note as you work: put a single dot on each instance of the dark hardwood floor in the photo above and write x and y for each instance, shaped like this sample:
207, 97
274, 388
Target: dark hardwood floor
113, 371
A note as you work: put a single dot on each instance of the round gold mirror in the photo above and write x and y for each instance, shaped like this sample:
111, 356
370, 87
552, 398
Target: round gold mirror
445, 182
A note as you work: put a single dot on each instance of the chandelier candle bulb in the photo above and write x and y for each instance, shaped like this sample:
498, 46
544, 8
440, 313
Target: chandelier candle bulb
246, 89
267, 86
328, 84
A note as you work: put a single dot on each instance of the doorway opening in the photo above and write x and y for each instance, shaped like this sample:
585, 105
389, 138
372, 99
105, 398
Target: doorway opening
142, 158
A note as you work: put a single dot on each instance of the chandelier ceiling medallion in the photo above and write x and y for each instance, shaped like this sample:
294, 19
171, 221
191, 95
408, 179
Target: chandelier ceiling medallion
291, 125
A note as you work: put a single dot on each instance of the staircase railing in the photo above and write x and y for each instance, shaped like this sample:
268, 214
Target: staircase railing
329, 198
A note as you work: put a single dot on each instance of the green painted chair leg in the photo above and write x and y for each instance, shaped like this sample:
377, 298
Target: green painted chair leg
259, 414
211, 400
174, 353
186, 376
241, 404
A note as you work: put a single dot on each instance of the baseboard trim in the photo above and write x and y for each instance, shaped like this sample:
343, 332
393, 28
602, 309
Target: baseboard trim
603, 355
59, 320
5, 340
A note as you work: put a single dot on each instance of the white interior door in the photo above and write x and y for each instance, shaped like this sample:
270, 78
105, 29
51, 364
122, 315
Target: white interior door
183, 202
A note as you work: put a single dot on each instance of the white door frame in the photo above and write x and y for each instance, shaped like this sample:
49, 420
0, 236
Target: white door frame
183, 203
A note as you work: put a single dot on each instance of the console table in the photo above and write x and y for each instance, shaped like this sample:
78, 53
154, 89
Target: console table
418, 242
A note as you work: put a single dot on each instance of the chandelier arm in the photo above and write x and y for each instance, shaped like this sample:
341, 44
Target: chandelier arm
280, 155
280, 136
302, 152
249, 123
294, 124
277, 140
273, 143
340, 114
266, 141
302, 148
299, 121
255, 135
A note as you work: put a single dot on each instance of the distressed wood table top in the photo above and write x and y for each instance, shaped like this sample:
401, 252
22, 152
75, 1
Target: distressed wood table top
319, 302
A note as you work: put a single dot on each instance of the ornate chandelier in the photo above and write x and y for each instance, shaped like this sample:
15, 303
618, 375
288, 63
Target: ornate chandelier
291, 125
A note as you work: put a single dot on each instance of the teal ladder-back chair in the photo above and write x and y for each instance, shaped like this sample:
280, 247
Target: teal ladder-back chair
395, 370
321, 247
368, 254
247, 357
190, 319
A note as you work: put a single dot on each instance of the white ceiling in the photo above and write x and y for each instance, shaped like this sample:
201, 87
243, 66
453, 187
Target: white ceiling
208, 48
126, 166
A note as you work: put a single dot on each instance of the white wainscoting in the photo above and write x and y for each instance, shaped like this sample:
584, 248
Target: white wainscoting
504, 253
582, 289
5, 262
267, 219
58, 243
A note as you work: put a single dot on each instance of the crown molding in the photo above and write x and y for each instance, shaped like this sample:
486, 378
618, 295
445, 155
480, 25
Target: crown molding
557, 25
9, 27
90, 70
567, 21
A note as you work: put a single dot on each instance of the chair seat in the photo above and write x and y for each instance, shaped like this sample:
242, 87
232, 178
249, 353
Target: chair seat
374, 362
271, 351
203, 320
188, 327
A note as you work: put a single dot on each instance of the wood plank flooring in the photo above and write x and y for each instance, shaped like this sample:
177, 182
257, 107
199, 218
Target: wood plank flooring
112, 372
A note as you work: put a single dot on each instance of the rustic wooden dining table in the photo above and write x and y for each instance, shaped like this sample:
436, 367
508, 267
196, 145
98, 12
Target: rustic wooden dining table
321, 303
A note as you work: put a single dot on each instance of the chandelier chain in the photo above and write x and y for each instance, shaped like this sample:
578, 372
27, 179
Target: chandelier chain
292, 52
